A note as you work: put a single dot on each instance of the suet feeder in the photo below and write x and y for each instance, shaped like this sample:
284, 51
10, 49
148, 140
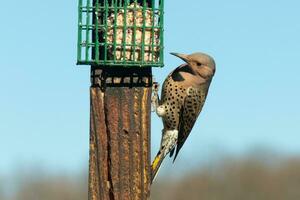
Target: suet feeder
121, 40
126, 33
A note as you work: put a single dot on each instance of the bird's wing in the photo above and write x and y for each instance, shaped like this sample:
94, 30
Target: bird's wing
190, 110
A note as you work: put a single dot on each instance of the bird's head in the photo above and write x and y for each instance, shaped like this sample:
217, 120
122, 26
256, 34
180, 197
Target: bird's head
202, 64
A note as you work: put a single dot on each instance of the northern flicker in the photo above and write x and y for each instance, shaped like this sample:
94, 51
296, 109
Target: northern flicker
182, 97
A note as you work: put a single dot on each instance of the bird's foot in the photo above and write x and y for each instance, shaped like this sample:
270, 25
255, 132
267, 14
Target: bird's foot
155, 97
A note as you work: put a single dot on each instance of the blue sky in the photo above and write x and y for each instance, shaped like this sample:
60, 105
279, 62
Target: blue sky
253, 101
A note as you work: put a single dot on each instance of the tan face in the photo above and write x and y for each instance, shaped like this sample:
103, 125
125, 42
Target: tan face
202, 64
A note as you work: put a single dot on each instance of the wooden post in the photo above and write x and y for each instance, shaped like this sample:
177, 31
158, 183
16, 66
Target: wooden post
119, 166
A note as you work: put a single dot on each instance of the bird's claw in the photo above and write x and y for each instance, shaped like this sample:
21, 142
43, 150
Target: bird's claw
154, 98
155, 86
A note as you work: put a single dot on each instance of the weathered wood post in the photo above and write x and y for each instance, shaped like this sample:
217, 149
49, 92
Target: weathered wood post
120, 134
121, 40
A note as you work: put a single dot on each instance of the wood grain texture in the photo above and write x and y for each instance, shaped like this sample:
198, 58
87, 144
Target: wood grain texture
119, 166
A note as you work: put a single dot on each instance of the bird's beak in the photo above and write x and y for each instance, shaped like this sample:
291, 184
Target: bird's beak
180, 55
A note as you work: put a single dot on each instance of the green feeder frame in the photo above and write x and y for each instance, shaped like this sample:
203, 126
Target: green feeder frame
121, 33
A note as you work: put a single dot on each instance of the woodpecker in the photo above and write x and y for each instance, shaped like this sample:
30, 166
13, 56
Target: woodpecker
182, 97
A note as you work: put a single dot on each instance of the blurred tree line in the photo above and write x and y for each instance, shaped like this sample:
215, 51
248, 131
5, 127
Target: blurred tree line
243, 178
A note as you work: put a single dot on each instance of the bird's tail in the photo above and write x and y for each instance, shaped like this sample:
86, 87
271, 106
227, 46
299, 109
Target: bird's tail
156, 165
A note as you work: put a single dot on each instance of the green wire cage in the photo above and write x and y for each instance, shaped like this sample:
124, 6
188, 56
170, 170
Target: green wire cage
120, 33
